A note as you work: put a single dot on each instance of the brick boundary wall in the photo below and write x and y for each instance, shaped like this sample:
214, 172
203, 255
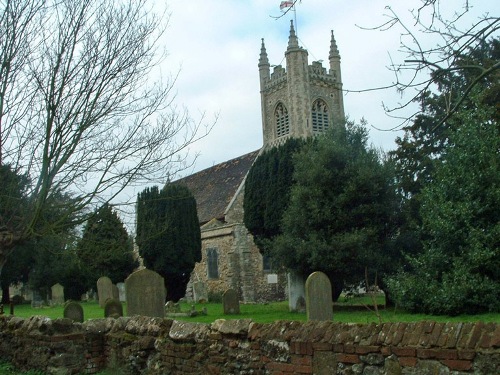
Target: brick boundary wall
141, 345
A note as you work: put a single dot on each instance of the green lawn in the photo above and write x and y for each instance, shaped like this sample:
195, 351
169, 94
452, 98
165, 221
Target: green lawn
353, 310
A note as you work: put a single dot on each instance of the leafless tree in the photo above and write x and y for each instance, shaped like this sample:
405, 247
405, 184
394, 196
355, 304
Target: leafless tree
424, 65
83, 107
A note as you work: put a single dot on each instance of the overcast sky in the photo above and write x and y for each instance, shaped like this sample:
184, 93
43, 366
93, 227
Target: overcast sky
216, 46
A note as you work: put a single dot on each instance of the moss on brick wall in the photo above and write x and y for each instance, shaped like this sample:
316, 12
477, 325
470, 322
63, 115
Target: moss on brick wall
141, 345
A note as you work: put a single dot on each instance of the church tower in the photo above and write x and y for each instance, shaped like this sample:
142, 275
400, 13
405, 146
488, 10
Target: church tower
301, 100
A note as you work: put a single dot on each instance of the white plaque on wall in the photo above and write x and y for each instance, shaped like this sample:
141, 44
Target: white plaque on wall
272, 278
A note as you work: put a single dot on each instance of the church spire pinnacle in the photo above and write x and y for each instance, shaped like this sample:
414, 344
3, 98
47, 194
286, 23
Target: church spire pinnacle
334, 51
293, 41
263, 60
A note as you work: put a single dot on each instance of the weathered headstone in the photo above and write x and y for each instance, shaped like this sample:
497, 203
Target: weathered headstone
231, 302
104, 290
113, 309
74, 311
319, 305
121, 291
57, 294
145, 294
200, 292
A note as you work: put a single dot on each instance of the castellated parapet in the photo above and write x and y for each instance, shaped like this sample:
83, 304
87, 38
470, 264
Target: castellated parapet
301, 100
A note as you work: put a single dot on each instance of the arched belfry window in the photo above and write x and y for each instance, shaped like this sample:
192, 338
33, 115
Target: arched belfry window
282, 120
212, 263
319, 116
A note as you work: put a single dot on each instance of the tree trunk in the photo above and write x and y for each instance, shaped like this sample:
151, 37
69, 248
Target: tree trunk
5, 296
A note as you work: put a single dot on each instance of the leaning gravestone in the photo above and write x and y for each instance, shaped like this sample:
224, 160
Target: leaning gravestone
200, 292
319, 305
57, 294
145, 294
231, 302
74, 311
104, 290
113, 309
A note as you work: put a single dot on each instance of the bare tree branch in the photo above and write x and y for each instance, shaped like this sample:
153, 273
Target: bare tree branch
83, 108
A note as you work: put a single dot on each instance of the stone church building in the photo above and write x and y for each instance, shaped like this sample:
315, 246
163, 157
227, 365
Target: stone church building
299, 100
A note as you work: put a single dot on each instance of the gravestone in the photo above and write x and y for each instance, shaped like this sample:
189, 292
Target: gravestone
116, 292
296, 292
104, 290
319, 305
200, 292
145, 294
121, 291
231, 302
57, 294
113, 309
37, 300
73, 311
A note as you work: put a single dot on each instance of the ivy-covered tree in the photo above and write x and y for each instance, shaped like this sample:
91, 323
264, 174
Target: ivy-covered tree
105, 248
168, 235
458, 270
267, 192
340, 219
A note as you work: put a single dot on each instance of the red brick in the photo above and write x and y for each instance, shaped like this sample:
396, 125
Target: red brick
436, 332
385, 351
301, 360
365, 349
485, 341
303, 348
322, 346
301, 370
455, 331
457, 364
398, 335
404, 352
350, 349
466, 354
348, 358
407, 361
476, 335
426, 353
338, 348
447, 354
495, 337
278, 366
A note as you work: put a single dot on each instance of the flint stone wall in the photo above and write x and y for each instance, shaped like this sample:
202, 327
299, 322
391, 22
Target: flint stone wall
143, 345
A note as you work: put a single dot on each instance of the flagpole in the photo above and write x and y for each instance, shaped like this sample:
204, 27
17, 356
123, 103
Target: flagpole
295, 17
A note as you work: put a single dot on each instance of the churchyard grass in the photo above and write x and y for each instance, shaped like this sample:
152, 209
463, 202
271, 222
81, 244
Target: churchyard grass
352, 310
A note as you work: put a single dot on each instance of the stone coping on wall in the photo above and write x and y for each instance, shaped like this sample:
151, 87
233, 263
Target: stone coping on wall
155, 345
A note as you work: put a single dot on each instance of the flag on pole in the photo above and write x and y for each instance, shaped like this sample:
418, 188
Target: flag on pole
286, 4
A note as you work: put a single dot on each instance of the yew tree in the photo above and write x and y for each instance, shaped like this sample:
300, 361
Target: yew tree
168, 235
342, 210
106, 249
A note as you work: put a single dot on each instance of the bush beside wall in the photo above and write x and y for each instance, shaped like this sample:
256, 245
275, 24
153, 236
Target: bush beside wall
141, 345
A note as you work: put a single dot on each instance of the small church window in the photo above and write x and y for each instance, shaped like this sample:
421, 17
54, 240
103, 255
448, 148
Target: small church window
267, 264
282, 120
212, 263
319, 116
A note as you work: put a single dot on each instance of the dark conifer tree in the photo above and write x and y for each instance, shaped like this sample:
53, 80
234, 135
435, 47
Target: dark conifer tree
267, 192
106, 249
168, 235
